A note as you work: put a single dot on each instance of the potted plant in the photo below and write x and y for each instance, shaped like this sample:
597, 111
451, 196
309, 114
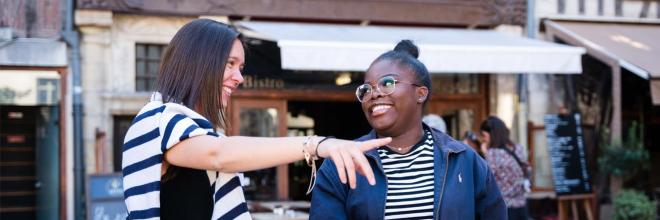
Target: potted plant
632, 204
623, 160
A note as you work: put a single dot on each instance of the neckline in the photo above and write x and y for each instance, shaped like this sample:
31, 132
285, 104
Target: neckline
422, 140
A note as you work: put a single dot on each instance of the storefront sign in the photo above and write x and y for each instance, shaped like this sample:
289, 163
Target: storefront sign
105, 197
302, 80
255, 82
567, 154
29, 88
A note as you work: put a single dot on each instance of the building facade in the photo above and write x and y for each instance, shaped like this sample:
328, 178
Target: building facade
35, 122
122, 42
612, 91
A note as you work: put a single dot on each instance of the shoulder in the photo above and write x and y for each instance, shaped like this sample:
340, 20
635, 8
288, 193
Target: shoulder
368, 136
465, 155
329, 165
447, 143
519, 149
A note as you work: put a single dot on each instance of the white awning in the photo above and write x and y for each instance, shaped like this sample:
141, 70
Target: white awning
332, 47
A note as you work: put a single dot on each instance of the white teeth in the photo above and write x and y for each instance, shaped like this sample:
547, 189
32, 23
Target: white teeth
380, 108
227, 90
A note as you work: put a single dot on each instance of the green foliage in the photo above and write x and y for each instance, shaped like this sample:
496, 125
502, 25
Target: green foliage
631, 204
625, 159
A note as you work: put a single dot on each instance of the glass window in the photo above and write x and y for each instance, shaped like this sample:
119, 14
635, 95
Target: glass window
455, 83
260, 122
147, 62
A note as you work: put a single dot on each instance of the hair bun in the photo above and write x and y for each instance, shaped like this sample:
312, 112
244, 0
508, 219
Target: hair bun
408, 47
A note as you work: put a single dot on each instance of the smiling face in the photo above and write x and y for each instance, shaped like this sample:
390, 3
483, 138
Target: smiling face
232, 76
398, 112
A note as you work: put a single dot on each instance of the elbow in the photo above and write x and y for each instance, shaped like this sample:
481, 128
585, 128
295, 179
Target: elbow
222, 163
217, 161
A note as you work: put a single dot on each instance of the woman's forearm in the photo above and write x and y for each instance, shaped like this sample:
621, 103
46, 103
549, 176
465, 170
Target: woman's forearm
240, 154
236, 154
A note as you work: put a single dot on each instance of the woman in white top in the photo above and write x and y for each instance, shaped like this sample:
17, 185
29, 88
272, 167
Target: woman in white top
173, 142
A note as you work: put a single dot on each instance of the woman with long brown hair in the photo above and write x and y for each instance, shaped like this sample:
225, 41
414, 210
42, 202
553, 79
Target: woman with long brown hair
509, 164
177, 166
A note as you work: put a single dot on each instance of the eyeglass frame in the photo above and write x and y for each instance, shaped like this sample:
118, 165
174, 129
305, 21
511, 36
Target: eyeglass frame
370, 84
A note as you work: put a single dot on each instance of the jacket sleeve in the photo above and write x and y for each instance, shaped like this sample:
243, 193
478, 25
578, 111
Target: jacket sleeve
329, 194
489, 204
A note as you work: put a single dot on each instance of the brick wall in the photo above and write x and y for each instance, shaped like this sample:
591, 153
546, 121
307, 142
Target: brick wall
32, 18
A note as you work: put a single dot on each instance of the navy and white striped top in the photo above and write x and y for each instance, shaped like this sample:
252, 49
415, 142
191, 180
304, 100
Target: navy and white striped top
156, 128
409, 180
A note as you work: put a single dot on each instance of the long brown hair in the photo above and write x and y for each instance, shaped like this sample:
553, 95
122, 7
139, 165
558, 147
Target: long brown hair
192, 68
499, 133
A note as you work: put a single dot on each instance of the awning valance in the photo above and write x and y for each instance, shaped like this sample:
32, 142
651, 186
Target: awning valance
635, 47
332, 47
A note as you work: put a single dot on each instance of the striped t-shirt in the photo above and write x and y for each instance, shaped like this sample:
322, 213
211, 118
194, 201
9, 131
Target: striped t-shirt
409, 180
156, 128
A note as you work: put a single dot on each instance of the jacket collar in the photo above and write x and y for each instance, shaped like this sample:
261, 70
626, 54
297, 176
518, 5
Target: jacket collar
443, 141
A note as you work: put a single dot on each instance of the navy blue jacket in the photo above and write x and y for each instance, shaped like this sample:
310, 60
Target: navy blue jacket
464, 187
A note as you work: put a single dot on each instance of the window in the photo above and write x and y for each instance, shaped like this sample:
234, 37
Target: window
147, 62
120, 127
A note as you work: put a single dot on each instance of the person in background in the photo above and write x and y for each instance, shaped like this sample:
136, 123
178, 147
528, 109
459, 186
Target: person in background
472, 140
174, 163
509, 164
435, 121
423, 173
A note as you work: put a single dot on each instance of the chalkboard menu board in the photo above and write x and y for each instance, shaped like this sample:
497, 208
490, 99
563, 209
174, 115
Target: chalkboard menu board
105, 197
567, 154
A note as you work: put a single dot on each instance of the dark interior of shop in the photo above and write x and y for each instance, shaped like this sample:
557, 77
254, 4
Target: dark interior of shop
340, 119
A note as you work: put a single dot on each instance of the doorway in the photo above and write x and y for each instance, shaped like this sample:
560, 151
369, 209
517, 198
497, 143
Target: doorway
29, 162
343, 120
279, 117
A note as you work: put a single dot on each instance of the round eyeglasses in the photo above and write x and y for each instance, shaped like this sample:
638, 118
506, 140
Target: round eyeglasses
384, 86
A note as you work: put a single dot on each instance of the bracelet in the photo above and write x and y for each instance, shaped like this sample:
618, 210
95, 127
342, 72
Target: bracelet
311, 161
309, 157
319, 144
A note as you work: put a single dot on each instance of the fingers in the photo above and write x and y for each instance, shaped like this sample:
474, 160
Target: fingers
350, 168
349, 159
375, 143
339, 163
362, 166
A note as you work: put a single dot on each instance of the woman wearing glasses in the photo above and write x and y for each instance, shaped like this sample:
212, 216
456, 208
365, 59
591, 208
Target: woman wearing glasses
422, 173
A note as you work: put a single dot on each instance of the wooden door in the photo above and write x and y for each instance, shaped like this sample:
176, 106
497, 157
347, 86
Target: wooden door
261, 118
459, 116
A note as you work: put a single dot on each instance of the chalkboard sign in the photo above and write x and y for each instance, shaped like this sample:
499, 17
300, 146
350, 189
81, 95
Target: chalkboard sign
105, 197
567, 154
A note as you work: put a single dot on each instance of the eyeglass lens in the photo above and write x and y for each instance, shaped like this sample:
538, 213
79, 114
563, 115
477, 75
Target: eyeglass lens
385, 86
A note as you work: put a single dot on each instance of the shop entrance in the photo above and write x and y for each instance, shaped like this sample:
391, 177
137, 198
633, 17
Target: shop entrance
459, 99
276, 118
340, 119
29, 162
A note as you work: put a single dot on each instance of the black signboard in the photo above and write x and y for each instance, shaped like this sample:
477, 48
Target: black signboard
105, 197
567, 154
